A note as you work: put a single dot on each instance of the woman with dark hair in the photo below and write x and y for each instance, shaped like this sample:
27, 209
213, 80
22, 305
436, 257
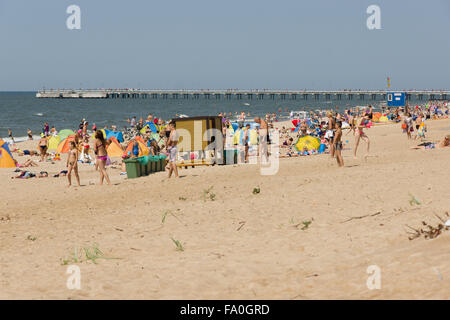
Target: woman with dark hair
102, 156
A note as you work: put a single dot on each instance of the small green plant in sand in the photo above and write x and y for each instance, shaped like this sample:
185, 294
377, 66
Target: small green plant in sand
91, 253
256, 190
208, 194
31, 238
413, 200
182, 198
178, 245
164, 216
306, 224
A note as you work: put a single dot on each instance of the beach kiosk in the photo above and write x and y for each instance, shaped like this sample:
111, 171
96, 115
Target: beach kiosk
200, 141
396, 99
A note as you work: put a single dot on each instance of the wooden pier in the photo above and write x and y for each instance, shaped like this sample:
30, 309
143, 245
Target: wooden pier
371, 95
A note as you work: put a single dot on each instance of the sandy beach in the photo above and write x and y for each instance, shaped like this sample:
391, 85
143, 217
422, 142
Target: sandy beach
239, 245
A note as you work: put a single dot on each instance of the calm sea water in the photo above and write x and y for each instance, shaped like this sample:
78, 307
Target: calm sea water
22, 110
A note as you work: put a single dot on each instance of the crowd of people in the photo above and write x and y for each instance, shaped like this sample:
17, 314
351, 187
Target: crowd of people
328, 128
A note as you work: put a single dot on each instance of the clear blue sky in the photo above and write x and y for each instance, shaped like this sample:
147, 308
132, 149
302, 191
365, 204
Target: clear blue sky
279, 44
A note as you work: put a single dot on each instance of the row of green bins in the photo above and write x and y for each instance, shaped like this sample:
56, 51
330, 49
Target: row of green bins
133, 168
143, 166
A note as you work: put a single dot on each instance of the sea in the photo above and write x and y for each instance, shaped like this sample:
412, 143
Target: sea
22, 110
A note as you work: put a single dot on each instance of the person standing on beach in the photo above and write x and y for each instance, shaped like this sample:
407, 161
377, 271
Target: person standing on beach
245, 139
338, 144
329, 135
172, 149
10, 135
102, 156
361, 123
46, 129
263, 138
30, 134
72, 163
43, 145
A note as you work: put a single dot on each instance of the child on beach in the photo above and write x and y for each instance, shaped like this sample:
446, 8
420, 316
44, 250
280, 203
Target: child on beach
338, 144
102, 156
72, 163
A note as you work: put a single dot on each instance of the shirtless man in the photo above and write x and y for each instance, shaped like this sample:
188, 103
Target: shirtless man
72, 163
360, 124
43, 145
338, 143
263, 137
172, 149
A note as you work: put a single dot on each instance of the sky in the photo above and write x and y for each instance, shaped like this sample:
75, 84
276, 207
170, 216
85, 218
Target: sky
245, 44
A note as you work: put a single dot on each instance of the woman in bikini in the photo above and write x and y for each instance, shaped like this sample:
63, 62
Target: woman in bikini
43, 145
102, 156
361, 123
72, 163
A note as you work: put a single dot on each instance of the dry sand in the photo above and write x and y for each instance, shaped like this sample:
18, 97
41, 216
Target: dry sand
241, 245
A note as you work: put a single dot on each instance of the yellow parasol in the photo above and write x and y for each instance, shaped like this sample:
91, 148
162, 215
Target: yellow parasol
307, 141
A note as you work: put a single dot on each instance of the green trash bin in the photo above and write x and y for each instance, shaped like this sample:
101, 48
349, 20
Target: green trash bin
162, 162
133, 168
143, 161
153, 161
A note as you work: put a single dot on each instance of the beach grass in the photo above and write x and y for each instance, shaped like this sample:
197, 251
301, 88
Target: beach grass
178, 244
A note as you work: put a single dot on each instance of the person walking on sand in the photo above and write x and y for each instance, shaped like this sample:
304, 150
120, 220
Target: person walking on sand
360, 124
172, 149
338, 143
102, 156
72, 163
43, 146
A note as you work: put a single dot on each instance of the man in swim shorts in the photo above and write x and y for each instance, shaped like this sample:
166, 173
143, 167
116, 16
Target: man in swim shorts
172, 149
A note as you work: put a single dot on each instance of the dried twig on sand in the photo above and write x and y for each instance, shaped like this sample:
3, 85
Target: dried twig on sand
362, 217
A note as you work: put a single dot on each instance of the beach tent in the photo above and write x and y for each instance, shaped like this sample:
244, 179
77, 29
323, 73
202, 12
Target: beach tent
6, 158
307, 141
376, 117
63, 134
143, 150
114, 149
384, 119
64, 146
53, 142
151, 125
116, 134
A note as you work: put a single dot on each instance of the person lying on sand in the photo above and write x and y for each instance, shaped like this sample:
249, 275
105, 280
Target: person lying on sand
28, 163
27, 152
430, 145
27, 175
